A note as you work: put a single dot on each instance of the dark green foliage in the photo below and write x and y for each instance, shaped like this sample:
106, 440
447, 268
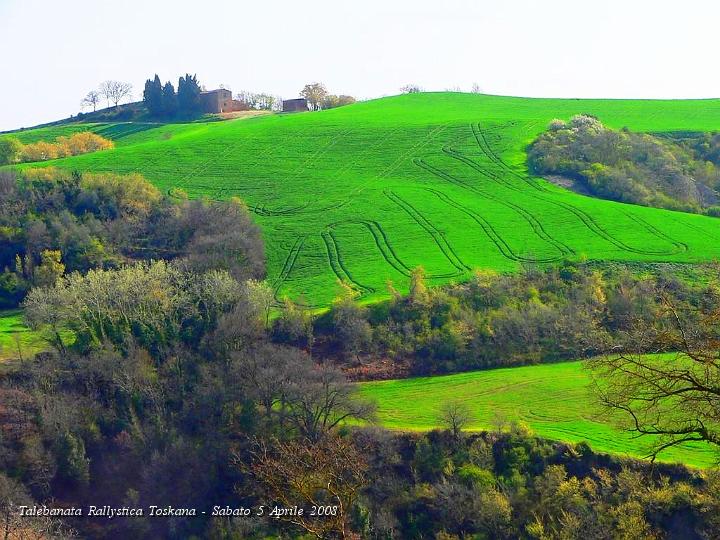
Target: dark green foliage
153, 96
13, 289
567, 312
102, 221
9, 150
513, 485
188, 95
169, 101
629, 167
73, 465
175, 425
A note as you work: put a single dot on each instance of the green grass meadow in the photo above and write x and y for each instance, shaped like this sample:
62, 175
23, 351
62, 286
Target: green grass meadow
554, 400
16, 338
365, 193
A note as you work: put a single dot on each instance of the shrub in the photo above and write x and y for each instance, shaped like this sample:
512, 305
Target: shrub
39, 151
10, 149
78, 143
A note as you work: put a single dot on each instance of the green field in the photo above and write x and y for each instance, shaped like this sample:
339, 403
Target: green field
554, 400
16, 338
365, 193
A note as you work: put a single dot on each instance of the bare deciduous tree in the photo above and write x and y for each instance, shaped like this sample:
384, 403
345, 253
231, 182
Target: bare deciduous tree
672, 399
299, 395
411, 89
91, 100
328, 474
115, 91
322, 399
455, 416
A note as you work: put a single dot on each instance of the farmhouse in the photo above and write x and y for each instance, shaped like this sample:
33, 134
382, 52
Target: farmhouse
220, 101
294, 105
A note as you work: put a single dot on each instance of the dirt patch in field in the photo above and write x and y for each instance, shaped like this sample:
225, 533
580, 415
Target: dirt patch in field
241, 114
568, 183
377, 369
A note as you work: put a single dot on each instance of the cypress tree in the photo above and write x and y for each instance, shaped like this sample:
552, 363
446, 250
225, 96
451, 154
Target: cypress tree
188, 95
169, 100
152, 96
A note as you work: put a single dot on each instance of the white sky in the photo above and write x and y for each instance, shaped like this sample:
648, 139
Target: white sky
54, 51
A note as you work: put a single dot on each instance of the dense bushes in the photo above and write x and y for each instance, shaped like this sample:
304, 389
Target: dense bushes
13, 151
106, 220
629, 167
566, 312
174, 395
513, 485
170, 380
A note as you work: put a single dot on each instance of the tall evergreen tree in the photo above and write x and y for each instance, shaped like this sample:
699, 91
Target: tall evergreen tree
188, 95
152, 96
169, 100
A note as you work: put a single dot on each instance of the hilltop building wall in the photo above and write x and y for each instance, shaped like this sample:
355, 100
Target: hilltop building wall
220, 101
294, 105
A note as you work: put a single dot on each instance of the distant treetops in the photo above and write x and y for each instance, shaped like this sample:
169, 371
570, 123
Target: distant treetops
319, 98
162, 101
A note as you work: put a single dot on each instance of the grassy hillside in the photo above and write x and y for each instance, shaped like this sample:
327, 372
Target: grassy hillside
552, 399
14, 334
119, 132
366, 192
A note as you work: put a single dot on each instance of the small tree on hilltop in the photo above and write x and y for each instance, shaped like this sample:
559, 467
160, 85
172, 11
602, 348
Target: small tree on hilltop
411, 89
314, 93
91, 100
115, 91
331, 101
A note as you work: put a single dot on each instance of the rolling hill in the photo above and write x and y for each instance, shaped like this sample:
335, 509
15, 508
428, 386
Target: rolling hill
367, 192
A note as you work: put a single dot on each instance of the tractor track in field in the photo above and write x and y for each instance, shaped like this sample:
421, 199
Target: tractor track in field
338, 266
224, 152
583, 216
387, 251
527, 216
288, 266
382, 243
486, 149
399, 160
436, 234
297, 210
304, 209
504, 248
696, 229
680, 247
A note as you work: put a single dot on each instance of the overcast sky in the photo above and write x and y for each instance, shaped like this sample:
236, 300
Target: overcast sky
54, 51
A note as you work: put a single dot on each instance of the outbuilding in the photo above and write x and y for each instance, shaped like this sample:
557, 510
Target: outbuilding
220, 101
295, 105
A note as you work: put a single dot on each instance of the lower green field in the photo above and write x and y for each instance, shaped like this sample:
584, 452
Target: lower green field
16, 339
365, 193
554, 400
